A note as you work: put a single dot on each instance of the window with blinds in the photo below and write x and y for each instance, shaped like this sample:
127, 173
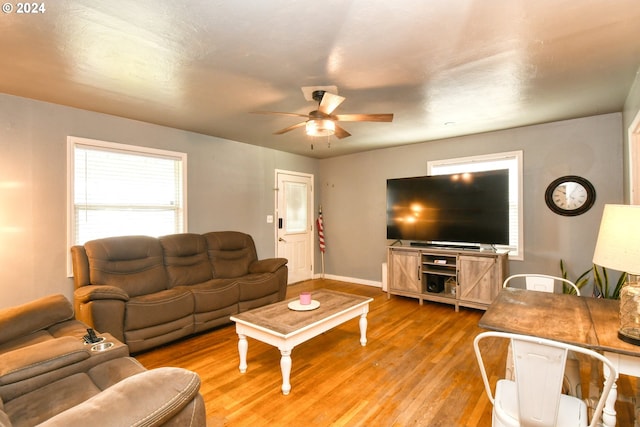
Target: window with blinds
509, 160
117, 189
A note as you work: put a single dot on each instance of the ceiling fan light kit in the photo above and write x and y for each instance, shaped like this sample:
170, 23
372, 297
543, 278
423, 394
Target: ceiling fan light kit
320, 127
322, 121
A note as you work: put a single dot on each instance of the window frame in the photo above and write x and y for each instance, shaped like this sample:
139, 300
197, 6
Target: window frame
73, 142
487, 158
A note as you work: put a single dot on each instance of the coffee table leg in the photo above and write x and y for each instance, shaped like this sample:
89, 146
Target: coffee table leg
243, 346
285, 367
363, 329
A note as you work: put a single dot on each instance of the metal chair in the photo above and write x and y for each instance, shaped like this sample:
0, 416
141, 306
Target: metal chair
534, 398
541, 282
572, 384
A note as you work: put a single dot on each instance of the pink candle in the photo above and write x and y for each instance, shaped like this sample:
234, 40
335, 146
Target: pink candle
305, 298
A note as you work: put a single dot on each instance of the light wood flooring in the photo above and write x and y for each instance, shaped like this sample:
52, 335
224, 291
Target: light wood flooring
417, 369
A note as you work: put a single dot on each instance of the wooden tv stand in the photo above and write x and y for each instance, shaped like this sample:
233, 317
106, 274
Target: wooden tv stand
460, 277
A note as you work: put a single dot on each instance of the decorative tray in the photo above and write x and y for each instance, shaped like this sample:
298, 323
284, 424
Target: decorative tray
296, 306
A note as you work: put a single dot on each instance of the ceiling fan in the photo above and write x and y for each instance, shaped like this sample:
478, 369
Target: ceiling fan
322, 121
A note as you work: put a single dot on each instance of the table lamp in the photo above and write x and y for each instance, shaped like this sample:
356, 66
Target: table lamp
618, 248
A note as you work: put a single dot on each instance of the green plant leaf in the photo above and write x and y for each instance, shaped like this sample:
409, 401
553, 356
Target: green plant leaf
600, 281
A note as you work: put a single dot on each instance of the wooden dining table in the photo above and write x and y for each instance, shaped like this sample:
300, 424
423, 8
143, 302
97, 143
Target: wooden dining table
583, 321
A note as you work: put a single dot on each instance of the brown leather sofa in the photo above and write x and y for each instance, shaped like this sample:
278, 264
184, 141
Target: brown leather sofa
148, 291
49, 376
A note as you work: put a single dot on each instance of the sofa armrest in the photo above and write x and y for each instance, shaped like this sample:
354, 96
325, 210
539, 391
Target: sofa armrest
149, 398
99, 292
269, 265
40, 358
102, 307
33, 316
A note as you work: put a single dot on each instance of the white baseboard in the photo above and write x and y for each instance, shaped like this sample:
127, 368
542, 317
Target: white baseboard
350, 280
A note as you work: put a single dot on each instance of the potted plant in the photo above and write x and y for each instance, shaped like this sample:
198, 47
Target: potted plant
602, 288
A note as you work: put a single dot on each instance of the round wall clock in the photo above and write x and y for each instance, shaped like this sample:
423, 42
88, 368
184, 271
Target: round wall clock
570, 195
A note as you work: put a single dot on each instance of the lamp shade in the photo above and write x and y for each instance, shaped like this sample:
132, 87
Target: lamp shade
320, 127
618, 244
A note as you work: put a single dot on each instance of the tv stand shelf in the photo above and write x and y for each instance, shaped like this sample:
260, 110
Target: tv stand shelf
463, 278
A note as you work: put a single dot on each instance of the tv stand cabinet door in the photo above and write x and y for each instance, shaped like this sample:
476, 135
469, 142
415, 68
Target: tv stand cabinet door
479, 279
404, 272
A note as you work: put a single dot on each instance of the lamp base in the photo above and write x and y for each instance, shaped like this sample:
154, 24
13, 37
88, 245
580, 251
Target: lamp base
627, 338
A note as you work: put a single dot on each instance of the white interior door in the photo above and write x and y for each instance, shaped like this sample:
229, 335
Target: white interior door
294, 224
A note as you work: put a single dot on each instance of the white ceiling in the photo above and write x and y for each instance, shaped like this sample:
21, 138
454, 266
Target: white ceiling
443, 67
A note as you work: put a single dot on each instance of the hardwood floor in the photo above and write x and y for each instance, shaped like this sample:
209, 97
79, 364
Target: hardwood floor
418, 368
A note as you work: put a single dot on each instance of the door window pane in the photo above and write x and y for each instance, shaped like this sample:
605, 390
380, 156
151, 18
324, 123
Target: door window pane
296, 210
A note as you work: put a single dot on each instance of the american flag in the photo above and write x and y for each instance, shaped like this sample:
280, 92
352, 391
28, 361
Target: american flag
321, 232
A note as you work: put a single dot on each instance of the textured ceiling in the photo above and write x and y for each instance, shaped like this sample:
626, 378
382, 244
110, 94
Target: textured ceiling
443, 67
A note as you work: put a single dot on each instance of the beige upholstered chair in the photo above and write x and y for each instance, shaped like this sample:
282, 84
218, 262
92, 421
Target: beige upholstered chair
534, 398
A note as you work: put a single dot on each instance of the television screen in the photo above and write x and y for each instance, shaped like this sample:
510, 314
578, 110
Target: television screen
468, 208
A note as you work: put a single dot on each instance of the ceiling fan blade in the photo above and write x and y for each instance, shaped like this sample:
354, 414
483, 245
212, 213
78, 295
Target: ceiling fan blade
287, 129
280, 113
364, 117
341, 132
330, 102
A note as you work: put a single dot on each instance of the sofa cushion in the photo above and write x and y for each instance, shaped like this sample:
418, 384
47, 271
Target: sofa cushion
37, 359
132, 263
112, 371
166, 391
254, 286
153, 336
215, 294
158, 308
186, 259
33, 316
4, 419
41, 404
58, 396
230, 252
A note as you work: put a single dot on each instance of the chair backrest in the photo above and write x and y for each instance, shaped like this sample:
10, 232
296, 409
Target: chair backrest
541, 282
230, 252
539, 370
134, 264
539, 365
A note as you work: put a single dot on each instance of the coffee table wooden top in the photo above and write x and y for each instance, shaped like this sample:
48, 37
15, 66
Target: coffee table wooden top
280, 319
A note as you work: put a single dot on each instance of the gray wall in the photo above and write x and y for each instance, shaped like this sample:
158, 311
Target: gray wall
230, 187
353, 192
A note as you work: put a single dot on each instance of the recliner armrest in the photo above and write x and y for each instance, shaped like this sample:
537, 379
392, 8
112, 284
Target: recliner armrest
149, 398
99, 292
40, 358
269, 265
33, 316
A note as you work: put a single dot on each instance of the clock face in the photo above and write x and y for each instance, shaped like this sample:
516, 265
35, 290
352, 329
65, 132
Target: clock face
570, 195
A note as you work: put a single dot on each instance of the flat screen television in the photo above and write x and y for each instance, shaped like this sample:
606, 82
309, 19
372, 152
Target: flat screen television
466, 208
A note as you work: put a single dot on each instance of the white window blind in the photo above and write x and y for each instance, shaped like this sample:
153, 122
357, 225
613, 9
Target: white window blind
511, 161
119, 189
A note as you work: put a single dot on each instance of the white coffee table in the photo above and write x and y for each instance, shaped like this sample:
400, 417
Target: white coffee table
284, 328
